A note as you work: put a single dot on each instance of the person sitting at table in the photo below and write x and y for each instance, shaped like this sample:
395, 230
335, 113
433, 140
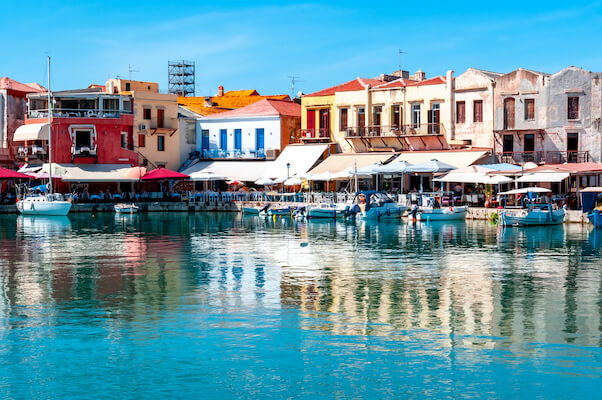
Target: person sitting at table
101, 195
108, 194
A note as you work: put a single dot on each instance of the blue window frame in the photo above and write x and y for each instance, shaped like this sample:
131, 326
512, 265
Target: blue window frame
223, 139
238, 139
259, 139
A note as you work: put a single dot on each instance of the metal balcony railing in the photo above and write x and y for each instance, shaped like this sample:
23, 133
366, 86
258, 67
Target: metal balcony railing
245, 154
549, 157
315, 133
395, 131
85, 151
32, 151
76, 113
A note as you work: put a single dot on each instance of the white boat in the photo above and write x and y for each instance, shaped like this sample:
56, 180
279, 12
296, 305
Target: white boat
126, 208
533, 214
50, 203
442, 214
376, 205
326, 210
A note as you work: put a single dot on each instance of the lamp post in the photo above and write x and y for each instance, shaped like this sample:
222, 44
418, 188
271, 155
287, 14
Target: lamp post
288, 168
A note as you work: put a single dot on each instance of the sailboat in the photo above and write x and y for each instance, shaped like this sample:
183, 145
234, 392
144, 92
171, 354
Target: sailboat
46, 203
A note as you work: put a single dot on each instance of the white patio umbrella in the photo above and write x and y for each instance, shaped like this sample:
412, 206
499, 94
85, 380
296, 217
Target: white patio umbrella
498, 180
398, 167
433, 165
294, 181
264, 181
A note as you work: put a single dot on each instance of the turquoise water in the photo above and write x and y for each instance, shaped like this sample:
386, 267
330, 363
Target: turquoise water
223, 306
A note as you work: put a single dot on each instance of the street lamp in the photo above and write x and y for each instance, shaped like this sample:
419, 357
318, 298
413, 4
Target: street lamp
288, 168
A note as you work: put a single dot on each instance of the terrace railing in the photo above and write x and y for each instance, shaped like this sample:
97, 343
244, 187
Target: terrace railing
396, 130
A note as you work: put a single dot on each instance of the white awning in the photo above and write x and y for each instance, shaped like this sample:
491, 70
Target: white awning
247, 171
96, 172
31, 132
457, 158
533, 189
300, 159
339, 162
464, 177
544, 177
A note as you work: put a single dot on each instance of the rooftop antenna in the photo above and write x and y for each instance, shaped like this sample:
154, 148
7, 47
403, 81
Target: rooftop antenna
131, 70
400, 53
294, 79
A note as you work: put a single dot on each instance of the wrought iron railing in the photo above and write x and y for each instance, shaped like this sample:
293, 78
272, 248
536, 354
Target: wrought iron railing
393, 130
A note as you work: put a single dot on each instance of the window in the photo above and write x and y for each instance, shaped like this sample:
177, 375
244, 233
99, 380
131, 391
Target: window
529, 143
460, 112
433, 118
477, 111
378, 110
415, 115
83, 139
160, 118
124, 140
509, 113
128, 87
160, 143
529, 109
344, 119
508, 144
573, 108
146, 113
141, 140
572, 146
361, 117
324, 120
396, 115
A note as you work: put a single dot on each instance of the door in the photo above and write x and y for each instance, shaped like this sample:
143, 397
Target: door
529, 147
572, 146
259, 140
311, 122
509, 113
508, 145
434, 119
205, 140
361, 121
238, 139
324, 123
160, 118
223, 140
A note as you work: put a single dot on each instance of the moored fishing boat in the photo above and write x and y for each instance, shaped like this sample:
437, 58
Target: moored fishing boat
255, 210
327, 210
531, 211
452, 213
595, 218
279, 212
591, 202
376, 205
126, 208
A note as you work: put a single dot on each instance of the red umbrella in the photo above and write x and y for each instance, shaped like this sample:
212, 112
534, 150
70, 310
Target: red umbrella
6, 173
162, 174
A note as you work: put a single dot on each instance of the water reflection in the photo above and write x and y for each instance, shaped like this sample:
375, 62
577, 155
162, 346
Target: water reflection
467, 284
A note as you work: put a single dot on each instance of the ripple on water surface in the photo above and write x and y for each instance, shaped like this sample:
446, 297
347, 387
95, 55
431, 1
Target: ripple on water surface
228, 306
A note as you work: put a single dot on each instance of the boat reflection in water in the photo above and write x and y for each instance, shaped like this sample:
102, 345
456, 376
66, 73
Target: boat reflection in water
226, 297
43, 225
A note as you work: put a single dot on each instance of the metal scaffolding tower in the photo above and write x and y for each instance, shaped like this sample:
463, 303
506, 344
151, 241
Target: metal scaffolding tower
181, 77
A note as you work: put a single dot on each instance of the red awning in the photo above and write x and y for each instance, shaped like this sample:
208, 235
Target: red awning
164, 173
6, 173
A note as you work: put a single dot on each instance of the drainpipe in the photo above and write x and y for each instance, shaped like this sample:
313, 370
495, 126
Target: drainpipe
450, 99
493, 116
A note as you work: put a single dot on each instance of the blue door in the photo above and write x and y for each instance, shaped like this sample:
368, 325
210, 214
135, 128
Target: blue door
223, 139
238, 139
205, 140
259, 140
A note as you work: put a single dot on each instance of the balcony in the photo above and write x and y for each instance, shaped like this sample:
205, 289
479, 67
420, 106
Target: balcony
548, 157
233, 154
379, 131
315, 134
76, 113
83, 151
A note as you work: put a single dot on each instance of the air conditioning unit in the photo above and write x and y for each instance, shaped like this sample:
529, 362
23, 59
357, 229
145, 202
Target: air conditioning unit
142, 126
272, 154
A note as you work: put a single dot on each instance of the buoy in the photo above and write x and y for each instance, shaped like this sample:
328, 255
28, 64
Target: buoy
304, 244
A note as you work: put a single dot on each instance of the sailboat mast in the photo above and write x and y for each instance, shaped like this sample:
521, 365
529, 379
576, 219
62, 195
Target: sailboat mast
49, 133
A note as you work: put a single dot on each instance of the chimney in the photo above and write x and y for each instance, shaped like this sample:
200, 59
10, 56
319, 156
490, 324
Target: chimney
220, 91
420, 75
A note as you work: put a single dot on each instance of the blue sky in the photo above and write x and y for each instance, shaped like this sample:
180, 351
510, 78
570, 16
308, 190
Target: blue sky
259, 44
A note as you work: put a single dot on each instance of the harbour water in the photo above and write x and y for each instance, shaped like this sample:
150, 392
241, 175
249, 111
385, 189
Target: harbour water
223, 306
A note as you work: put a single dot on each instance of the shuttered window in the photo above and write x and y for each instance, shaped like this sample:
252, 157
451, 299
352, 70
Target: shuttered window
460, 112
477, 111
573, 109
529, 109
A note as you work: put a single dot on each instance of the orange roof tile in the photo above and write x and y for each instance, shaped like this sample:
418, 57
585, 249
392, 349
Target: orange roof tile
229, 101
438, 80
356, 84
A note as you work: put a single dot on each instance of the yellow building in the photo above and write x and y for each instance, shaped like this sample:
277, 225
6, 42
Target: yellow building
161, 138
394, 113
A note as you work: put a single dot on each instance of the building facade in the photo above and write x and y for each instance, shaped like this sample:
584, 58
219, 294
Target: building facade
260, 130
13, 109
88, 127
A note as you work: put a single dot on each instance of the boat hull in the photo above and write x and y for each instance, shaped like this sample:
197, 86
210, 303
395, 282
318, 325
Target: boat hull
326, 212
251, 210
595, 218
126, 208
533, 218
443, 214
43, 207
279, 212
385, 212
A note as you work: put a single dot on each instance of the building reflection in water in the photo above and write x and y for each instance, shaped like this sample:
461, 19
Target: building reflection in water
463, 284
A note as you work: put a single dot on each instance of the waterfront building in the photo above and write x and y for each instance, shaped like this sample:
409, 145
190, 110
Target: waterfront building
90, 130
392, 113
13, 108
259, 130
158, 139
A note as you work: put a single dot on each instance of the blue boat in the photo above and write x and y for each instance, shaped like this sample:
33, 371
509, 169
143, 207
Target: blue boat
591, 204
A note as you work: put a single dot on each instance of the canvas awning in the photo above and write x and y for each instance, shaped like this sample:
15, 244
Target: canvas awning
247, 171
339, 162
457, 158
96, 172
300, 159
31, 132
544, 177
